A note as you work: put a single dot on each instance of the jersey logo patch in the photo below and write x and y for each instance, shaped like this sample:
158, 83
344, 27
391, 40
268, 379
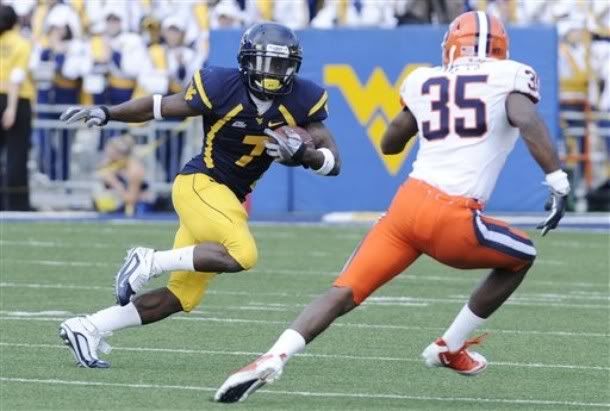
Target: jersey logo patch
239, 124
275, 123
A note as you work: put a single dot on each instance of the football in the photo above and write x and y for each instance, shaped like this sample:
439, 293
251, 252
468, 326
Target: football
304, 134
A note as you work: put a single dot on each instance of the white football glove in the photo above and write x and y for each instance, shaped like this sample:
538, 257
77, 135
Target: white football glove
92, 116
560, 187
285, 150
556, 204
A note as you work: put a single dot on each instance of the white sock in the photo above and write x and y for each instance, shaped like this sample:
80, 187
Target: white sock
178, 259
463, 325
289, 344
115, 318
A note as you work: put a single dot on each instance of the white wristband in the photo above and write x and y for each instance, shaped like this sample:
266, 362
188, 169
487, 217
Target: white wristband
329, 162
157, 106
17, 76
558, 181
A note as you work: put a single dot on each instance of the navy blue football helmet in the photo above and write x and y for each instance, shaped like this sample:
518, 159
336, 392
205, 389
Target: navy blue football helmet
269, 57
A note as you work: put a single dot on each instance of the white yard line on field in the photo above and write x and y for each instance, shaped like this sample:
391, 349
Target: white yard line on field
7, 315
55, 244
309, 355
138, 229
402, 301
111, 288
312, 394
51, 313
59, 263
328, 273
550, 297
575, 244
376, 301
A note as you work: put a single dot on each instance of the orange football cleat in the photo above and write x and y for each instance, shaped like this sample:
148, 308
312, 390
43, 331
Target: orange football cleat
461, 361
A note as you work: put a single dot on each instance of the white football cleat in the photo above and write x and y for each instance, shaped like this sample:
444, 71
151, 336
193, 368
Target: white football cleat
84, 340
461, 361
135, 272
265, 369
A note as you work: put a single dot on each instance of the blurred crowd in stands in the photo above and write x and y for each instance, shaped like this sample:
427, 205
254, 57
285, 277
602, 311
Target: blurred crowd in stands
109, 51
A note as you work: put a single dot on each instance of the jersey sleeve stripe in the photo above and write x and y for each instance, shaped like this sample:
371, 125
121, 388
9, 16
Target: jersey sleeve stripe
209, 139
319, 104
201, 91
287, 116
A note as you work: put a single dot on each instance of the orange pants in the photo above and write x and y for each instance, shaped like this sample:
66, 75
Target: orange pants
450, 229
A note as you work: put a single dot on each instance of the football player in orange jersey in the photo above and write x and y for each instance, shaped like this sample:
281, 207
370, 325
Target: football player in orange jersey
469, 114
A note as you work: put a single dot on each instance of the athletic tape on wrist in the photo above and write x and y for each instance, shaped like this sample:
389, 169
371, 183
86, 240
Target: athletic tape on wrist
329, 162
106, 114
558, 181
157, 106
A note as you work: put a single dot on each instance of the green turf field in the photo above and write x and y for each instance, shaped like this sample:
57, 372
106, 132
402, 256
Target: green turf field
548, 348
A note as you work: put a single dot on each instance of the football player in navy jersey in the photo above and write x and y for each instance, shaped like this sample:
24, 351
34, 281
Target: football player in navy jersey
240, 107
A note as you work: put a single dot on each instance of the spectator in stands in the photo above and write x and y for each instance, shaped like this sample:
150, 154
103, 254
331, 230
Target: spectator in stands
44, 9
427, 11
57, 65
118, 59
16, 92
123, 178
120, 56
355, 13
173, 65
226, 15
196, 16
294, 13
95, 12
25, 10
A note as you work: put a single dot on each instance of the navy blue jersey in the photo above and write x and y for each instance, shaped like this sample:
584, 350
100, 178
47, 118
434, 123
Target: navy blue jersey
233, 139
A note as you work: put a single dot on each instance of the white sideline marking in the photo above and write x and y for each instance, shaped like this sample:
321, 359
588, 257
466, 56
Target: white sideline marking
311, 394
7, 316
329, 273
309, 355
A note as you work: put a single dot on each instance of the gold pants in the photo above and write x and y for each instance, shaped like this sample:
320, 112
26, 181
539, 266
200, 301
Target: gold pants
208, 212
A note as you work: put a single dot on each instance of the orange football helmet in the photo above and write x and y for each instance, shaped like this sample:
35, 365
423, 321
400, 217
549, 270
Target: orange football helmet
475, 34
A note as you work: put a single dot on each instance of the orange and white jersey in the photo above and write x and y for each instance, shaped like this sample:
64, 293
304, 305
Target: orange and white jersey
465, 135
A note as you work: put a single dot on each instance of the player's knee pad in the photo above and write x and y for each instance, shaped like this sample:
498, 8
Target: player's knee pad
247, 257
188, 299
189, 288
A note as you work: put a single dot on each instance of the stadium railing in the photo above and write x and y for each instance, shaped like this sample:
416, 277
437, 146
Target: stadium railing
65, 158
586, 135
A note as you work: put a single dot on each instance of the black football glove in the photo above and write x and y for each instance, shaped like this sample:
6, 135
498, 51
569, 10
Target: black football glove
289, 149
91, 116
556, 204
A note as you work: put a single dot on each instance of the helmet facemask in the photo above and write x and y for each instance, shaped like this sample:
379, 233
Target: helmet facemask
271, 71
